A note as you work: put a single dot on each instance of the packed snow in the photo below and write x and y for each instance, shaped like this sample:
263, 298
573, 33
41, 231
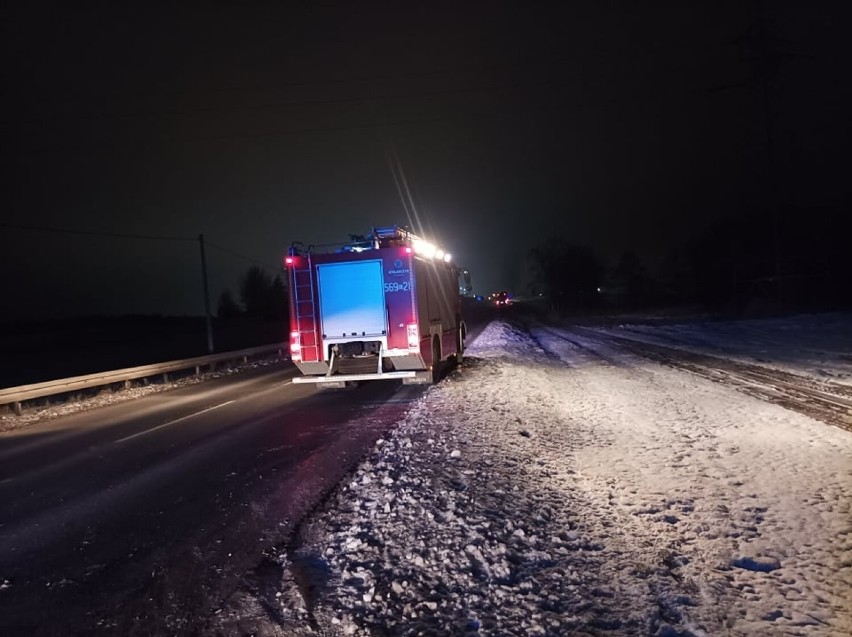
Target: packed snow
560, 486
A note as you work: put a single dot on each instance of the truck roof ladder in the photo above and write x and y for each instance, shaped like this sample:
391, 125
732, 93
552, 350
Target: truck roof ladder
303, 297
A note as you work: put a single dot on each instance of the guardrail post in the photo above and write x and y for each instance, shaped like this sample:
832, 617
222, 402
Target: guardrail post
198, 370
17, 407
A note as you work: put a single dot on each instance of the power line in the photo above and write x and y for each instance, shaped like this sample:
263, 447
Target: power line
500, 110
268, 134
309, 103
243, 256
93, 233
121, 235
458, 71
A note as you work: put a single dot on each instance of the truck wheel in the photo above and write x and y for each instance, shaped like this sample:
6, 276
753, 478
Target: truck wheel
436, 361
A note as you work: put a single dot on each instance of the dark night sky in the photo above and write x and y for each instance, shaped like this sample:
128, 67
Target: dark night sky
624, 125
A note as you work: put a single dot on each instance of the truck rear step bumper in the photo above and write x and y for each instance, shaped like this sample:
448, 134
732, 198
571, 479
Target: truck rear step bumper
407, 377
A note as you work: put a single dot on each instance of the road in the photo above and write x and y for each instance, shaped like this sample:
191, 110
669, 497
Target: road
146, 516
191, 511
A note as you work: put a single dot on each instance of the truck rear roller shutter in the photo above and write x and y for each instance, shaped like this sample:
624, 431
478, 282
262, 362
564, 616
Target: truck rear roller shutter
352, 299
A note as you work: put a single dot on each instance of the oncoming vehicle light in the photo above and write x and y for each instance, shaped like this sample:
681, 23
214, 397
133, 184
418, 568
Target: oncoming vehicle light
413, 337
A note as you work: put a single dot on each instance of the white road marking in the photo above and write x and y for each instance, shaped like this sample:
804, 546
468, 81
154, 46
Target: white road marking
172, 422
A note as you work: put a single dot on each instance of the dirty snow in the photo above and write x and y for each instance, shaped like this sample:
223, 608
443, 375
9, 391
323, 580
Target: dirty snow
549, 489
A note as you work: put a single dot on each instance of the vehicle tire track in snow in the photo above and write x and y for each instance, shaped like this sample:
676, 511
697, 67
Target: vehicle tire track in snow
640, 528
757, 511
524, 497
826, 401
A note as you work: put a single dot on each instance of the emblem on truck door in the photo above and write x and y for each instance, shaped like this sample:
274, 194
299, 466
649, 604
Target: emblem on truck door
399, 268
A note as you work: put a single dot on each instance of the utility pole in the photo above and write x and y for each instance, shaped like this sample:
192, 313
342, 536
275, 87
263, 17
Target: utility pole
206, 295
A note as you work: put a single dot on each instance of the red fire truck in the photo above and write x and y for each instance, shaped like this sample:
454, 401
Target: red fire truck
384, 306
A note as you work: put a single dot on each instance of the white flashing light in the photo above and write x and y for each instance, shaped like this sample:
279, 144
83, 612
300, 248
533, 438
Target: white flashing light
429, 250
295, 346
424, 248
413, 337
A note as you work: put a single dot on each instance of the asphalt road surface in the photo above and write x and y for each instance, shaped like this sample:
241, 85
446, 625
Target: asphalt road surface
146, 517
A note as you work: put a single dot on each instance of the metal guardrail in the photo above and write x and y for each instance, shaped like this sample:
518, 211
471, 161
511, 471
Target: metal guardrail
16, 395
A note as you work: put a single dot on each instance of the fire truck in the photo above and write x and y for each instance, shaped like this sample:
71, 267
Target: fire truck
385, 306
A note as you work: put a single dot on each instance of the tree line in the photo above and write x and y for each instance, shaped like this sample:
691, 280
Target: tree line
789, 262
261, 296
793, 261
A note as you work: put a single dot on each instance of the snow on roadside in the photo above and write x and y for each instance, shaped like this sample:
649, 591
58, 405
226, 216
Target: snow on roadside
553, 490
816, 345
